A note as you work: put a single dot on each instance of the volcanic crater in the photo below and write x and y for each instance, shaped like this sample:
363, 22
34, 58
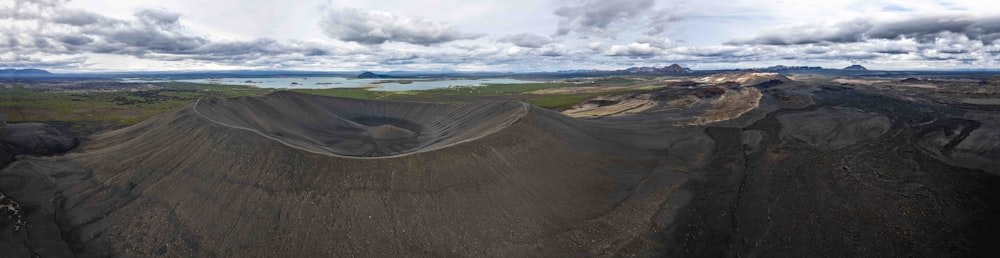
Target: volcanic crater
360, 128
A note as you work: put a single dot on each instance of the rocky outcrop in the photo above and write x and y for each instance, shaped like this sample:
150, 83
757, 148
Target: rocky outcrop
38, 139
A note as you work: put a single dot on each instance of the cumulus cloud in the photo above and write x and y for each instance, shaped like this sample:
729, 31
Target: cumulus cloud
599, 17
661, 20
57, 36
78, 18
643, 47
152, 31
53, 30
528, 40
375, 27
634, 49
595, 46
924, 28
53, 35
553, 50
68, 31
944, 39
34, 62
605, 35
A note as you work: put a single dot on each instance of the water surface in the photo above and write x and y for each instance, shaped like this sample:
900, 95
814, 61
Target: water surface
394, 84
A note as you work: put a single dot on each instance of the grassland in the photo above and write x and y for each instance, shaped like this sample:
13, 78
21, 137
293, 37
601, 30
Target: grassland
129, 105
119, 107
354, 93
496, 89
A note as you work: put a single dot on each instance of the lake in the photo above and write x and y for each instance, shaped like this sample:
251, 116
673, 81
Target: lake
393, 84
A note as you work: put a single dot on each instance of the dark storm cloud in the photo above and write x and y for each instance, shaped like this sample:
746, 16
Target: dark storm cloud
42, 43
158, 17
925, 28
528, 40
68, 31
599, 14
954, 38
152, 31
28, 62
75, 40
851, 31
715, 52
145, 39
598, 17
893, 52
870, 51
373, 28
380, 40
257, 48
78, 18
661, 20
151, 34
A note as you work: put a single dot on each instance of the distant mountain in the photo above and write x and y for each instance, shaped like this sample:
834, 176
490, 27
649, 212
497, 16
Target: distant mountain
855, 68
675, 68
672, 69
371, 75
578, 71
24, 73
782, 68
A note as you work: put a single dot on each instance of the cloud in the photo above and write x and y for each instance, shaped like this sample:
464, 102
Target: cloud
924, 28
528, 40
158, 16
375, 27
53, 30
32, 62
595, 46
589, 34
152, 31
63, 37
75, 40
78, 18
600, 17
634, 49
44, 3
61, 30
932, 41
553, 50
644, 47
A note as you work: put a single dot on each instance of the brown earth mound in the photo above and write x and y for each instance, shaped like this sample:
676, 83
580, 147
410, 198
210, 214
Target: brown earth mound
745, 78
681, 106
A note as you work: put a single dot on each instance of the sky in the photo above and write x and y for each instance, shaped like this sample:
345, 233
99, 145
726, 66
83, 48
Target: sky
495, 35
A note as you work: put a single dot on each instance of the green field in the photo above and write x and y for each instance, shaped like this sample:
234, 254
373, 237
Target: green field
125, 107
495, 89
120, 107
354, 93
